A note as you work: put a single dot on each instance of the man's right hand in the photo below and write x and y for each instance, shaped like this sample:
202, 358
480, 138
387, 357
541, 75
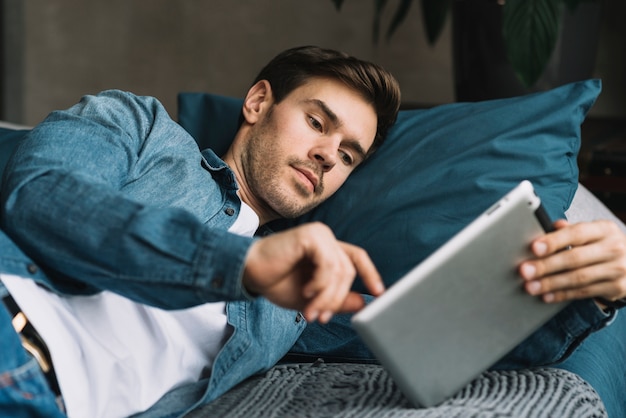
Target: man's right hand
307, 269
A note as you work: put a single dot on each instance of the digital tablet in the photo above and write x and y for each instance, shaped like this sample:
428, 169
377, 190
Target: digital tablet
464, 307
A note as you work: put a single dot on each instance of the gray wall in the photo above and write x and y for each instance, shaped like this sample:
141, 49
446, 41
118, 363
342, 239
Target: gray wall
58, 50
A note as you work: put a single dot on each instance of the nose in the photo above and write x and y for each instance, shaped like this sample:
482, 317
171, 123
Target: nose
325, 153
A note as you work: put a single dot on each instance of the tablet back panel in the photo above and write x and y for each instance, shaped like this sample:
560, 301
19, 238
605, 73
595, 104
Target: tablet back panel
463, 308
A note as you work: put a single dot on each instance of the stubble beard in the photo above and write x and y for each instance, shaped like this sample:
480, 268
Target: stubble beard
264, 168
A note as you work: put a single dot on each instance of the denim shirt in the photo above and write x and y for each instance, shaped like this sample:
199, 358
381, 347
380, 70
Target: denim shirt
113, 194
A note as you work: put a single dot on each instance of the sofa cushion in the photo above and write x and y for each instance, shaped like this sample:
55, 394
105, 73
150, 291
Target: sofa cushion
211, 119
439, 168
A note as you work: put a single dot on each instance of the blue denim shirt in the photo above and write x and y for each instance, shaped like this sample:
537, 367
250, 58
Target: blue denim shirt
113, 194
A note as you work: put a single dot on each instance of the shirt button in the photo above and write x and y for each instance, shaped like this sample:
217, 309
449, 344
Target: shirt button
299, 318
217, 283
229, 211
32, 268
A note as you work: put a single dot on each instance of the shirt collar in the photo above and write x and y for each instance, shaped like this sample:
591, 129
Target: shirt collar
220, 171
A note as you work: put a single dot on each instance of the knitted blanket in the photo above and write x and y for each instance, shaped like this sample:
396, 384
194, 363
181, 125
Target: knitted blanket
367, 391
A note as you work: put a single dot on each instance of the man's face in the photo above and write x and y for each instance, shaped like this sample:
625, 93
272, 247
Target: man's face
302, 149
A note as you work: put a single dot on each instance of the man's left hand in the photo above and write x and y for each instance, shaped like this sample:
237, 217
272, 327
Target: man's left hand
578, 261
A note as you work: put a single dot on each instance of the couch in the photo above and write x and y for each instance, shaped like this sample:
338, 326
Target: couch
440, 168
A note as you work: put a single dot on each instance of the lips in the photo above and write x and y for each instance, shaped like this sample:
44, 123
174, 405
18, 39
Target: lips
309, 176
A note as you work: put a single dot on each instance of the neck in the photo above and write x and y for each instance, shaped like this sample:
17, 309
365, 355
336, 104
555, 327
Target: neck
262, 210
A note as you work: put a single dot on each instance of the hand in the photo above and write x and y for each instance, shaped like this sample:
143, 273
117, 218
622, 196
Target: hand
578, 261
306, 268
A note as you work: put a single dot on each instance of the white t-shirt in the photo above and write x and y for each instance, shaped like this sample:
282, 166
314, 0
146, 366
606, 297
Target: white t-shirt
114, 357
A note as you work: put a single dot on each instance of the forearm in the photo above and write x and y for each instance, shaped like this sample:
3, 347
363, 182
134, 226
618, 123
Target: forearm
116, 244
63, 205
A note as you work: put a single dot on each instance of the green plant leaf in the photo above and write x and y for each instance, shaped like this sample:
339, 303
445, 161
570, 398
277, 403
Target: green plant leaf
379, 7
530, 29
434, 13
338, 4
399, 16
573, 4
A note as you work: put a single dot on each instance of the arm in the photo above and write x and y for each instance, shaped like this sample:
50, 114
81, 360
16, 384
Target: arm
62, 204
66, 203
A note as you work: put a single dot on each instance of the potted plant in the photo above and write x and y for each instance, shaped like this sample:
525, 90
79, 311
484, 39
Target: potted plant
523, 32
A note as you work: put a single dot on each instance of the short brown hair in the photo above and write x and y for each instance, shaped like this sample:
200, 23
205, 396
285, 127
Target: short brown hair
292, 68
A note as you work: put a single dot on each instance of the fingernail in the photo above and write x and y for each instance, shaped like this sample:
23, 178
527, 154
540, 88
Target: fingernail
540, 248
548, 297
528, 271
533, 287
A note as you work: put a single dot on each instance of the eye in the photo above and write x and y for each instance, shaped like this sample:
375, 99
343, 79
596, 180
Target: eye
346, 158
316, 124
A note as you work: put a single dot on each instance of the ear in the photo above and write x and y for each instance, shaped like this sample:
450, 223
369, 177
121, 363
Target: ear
257, 101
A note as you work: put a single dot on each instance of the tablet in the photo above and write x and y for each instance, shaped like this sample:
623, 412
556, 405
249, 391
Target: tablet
464, 307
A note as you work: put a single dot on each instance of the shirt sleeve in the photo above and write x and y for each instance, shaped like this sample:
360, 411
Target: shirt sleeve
61, 203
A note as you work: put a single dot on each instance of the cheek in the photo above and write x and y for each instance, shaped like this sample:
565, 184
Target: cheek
334, 180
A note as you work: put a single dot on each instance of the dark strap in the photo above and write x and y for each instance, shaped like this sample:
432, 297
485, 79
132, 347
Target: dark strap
12, 307
32, 336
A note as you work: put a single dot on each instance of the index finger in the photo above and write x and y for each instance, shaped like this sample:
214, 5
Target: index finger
567, 236
365, 268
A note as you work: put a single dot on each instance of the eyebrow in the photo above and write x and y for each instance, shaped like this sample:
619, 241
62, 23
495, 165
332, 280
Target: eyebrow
351, 143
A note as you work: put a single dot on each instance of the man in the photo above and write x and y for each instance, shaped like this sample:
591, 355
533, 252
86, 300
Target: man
125, 218
139, 239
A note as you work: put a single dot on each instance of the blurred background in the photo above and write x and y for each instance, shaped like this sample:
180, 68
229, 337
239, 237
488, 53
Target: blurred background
55, 51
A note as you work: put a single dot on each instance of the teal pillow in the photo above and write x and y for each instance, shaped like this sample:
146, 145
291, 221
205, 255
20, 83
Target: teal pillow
440, 168
211, 119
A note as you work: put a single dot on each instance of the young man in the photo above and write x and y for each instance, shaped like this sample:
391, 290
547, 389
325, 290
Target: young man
135, 240
138, 238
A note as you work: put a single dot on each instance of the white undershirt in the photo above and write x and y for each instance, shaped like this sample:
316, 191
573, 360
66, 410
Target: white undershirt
114, 357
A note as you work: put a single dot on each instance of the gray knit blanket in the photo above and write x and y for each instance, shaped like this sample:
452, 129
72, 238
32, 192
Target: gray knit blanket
322, 390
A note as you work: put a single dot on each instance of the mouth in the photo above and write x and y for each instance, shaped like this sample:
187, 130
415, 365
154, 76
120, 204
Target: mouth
308, 177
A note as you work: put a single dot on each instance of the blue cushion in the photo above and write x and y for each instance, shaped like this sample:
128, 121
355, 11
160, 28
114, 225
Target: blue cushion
439, 169
8, 140
211, 119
